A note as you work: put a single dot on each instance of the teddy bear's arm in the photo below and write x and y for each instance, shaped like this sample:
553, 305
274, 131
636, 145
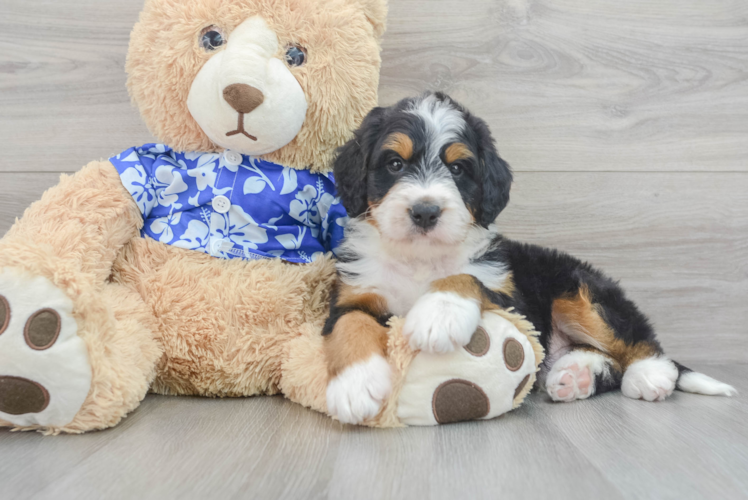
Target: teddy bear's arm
79, 226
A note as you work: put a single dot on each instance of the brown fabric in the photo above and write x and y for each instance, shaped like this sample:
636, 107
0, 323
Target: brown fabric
521, 385
514, 355
457, 400
242, 97
19, 396
4, 314
42, 329
479, 343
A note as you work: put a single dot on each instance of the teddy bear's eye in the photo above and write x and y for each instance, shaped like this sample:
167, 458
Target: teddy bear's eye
295, 55
211, 38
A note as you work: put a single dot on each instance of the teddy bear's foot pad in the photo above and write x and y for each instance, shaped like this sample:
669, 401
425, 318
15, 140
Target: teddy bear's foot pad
479, 381
45, 374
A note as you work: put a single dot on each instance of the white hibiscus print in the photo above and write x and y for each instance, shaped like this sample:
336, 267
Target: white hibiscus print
238, 227
140, 187
291, 241
169, 184
205, 176
163, 226
306, 208
196, 237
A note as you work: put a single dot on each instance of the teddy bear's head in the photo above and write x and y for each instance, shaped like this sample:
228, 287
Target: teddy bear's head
288, 80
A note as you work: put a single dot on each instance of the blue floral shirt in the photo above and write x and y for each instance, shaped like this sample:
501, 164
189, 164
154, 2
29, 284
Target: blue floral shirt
232, 206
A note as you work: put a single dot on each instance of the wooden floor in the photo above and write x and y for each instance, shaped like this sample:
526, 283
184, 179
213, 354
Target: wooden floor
269, 448
627, 126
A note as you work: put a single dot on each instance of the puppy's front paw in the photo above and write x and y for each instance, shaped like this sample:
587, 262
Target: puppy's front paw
358, 392
441, 321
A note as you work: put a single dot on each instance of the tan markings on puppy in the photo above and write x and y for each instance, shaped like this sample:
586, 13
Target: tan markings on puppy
457, 151
581, 320
465, 286
372, 303
356, 337
401, 144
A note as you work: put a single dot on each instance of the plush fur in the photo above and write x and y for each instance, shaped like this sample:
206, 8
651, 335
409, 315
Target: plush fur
339, 79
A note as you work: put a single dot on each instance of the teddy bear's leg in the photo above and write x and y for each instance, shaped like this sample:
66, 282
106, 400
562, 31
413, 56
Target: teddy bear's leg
63, 362
72, 366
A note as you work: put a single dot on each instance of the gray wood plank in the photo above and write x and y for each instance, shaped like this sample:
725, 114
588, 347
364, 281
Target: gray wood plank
686, 447
689, 446
63, 100
478, 460
209, 448
585, 84
570, 85
677, 241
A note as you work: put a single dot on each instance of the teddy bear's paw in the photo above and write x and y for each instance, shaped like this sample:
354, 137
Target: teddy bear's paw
485, 378
45, 373
651, 379
439, 322
358, 392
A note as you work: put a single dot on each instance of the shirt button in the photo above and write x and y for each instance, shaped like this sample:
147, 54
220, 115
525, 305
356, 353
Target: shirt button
221, 204
232, 157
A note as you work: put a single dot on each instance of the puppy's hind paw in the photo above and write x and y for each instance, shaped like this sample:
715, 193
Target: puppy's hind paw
358, 392
651, 379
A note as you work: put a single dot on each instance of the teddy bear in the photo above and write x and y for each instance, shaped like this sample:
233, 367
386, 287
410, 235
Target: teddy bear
203, 265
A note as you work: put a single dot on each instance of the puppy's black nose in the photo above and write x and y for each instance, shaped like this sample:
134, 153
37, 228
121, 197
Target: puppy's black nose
425, 215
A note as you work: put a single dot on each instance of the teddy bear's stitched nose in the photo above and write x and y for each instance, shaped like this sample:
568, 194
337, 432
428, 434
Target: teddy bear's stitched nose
242, 97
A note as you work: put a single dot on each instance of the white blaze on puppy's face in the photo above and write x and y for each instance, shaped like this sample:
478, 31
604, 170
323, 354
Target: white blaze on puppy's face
393, 214
249, 61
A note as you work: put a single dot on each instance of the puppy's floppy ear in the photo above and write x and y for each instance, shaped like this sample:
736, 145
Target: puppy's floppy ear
495, 175
352, 164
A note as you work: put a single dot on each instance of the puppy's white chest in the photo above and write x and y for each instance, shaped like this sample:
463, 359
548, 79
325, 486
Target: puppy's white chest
403, 284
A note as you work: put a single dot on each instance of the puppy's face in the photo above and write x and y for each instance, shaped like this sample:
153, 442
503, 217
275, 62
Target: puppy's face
424, 170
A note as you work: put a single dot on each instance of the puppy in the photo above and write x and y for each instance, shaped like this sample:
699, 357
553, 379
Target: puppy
423, 184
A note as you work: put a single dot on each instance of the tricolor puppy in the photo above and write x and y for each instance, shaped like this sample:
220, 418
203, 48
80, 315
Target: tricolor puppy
423, 184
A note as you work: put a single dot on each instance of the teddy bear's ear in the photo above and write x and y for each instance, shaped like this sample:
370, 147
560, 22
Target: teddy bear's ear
376, 12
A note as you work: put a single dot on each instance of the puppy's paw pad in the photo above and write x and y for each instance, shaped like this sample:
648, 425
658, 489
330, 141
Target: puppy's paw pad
358, 392
651, 379
439, 322
569, 383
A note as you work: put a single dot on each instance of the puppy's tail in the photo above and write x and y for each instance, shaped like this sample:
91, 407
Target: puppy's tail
698, 383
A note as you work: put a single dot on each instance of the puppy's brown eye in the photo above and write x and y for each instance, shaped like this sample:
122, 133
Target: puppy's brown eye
456, 169
212, 38
395, 165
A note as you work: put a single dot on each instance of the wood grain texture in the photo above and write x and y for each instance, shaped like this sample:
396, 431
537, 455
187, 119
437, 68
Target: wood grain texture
608, 447
565, 84
585, 84
63, 100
